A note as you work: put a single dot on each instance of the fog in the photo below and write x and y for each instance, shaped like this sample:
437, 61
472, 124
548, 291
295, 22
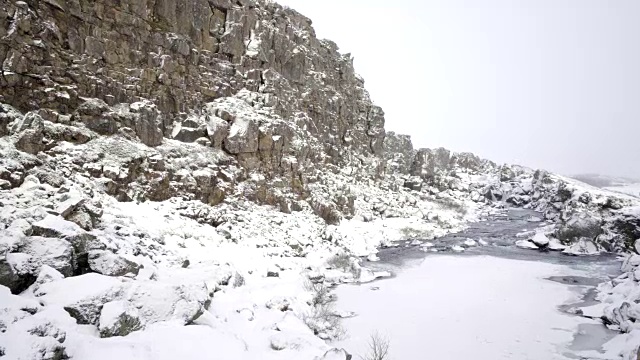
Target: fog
551, 84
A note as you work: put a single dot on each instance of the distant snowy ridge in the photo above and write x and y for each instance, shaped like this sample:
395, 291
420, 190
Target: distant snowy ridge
615, 184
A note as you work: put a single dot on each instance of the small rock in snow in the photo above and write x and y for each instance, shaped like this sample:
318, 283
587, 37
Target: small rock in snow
373, 258
345, 314
278, 303
336, 354
247, 314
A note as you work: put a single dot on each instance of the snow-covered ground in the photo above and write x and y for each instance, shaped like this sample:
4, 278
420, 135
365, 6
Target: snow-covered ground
459, 307
628, 189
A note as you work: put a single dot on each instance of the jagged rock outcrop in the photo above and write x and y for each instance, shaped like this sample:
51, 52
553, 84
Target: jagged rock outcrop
74, 62
586, 217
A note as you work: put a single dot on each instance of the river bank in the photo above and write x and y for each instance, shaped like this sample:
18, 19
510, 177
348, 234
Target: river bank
491, 301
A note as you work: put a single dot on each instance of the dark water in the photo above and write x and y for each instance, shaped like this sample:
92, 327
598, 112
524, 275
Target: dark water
500, 232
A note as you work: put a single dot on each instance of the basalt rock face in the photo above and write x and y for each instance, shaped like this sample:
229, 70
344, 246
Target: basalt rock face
158, 69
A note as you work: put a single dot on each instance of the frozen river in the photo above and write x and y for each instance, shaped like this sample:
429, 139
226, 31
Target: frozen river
492, 302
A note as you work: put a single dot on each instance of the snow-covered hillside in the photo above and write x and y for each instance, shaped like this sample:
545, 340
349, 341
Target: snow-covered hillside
615, 184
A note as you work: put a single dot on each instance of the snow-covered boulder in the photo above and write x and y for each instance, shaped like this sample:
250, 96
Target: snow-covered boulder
118, 318
373, 257
81, 296
582, 247
156, 302
107, 263
57, 227
14, 308
630, 263
555, 245
24, 336
55, 253
279, 303
540, 239
470, 243
46, 275
526, 244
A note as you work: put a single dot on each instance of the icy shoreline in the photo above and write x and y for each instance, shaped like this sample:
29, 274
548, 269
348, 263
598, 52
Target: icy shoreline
500, 308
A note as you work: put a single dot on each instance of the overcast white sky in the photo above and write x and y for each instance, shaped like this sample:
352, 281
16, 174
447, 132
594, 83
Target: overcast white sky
550, 84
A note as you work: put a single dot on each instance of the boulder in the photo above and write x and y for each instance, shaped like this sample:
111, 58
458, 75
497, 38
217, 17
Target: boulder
149, 302
470, 243
23, 336
96, 115
56, 253
187, 134
118, 318
28, 133
583, 246
148, 122
47, 274
540, 239
506, 173
81, 218
7, 116
68, 206
555, 245
107, 263
56, 227
278, 303
13, 274
630, 263
526, 244
81, 296
217, 130
242, 137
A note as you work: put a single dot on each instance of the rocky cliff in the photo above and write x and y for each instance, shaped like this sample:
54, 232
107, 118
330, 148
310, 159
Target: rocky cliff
247, 81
